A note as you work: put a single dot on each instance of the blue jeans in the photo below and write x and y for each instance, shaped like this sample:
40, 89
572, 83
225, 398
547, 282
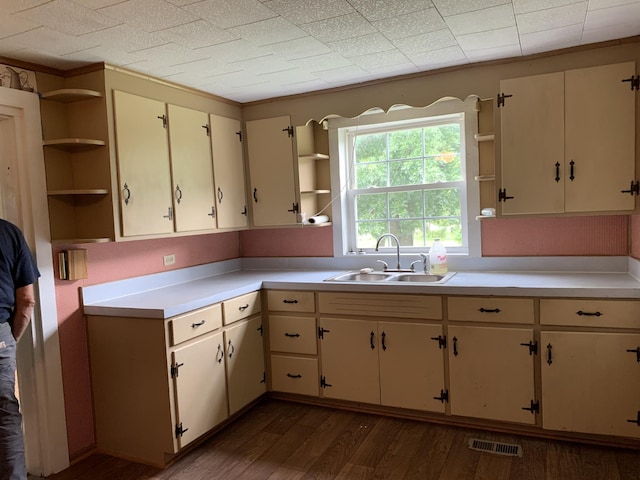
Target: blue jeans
12, 466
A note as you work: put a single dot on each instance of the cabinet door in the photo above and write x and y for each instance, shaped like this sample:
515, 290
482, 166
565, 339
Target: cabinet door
245, 363
532, 144
200, 387
228, 167
411, 366
271, 168
590, 382
491, 373
350, 360
600, 138
191, 169
143, 165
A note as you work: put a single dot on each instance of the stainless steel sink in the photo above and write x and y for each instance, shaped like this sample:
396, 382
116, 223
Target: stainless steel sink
390, 277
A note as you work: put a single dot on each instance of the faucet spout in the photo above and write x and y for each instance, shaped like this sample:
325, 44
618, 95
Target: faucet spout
395, 239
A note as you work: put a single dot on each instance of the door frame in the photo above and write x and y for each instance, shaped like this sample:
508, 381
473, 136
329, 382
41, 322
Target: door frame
39, 360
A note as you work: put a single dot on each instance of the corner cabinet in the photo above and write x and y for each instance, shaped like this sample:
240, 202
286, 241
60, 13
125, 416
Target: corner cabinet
568, 141
76, 156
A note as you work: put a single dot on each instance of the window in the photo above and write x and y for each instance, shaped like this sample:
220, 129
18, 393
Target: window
407, 173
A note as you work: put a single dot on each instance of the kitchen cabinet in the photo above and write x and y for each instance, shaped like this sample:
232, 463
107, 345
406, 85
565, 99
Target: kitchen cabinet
228, 167
314, 177
76, 156
568, 141
491, 368
191, 169
590, 366
270, 153
389, 361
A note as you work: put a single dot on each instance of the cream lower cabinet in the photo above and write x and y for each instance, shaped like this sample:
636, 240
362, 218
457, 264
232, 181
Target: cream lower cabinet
590, 367
491, 368
395, 361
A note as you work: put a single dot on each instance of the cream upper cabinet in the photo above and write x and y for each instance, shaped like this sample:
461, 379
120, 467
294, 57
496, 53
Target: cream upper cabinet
144, 172
568, 141
191, 169
228, 166
271, 170
590, 382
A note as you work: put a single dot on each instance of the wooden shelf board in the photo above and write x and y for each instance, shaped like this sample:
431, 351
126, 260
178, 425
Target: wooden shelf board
484, 178
80, 240
73, 144
314, 192
78, 191
314, 156
70, 95
484, 137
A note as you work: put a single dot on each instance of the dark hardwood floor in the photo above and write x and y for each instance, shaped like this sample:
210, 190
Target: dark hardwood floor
289, 441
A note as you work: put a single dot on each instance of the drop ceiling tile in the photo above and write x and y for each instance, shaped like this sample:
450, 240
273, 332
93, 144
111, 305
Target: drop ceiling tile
551, 18
527, 6
48, 60
488, 19
12, 25
500, 37
438, 58
12, 6
322, 62
148, 15
107, 54
233, 51
171, 54
230, 13
262, 65
289, 77
124, 37
370, 61
343, 75
537, 42
619, 22
96, 4
598, 4
393, 70
197, 34
374, 10
307, 11
483, 54
366, 44
45, 40
411, 24
177, 3
66, 17
426, 41
455, 7
300, 48
339, 28
266, 32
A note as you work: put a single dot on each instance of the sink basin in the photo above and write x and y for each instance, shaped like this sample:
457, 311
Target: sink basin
390, 277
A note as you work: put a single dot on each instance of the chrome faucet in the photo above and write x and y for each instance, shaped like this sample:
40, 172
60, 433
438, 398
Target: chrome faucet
392, 236
425, 263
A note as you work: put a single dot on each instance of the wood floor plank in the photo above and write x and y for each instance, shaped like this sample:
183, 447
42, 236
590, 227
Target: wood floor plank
286, 473
563, 461
628, 464
397, 459
430, 456
531, 466
461, 461
376, 444
354, 472
597, 464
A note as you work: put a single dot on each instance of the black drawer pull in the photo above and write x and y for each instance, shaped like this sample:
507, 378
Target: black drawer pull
242, 308
294, 376
198, 324
292, 335
588, 314
289, 301
489, 310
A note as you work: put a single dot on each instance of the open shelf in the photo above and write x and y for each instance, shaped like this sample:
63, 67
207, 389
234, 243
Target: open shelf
73, 144
78, 191
71, 95
484, 137
314, 156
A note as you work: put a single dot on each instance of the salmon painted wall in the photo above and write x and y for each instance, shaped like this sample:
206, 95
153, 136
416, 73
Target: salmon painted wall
109, 262
634, 236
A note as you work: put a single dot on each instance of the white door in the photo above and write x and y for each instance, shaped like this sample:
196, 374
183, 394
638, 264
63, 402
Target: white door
24, 203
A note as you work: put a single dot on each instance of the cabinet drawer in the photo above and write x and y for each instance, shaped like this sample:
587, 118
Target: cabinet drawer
241, 307
192, 324
292, 334
290, 301
381, 305
295, 375
491, 309
590, 313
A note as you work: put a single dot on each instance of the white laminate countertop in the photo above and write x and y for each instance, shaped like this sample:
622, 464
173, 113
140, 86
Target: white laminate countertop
152, 297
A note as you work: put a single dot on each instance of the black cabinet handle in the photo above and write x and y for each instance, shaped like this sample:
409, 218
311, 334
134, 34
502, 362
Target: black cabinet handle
242, 308
455, 346
232, 349
588, 314
198, 324
294, 376
220, 195
255, 195
549, 354
557, 172
219, 354
489, 310
571, 165
384, 345
292, 335
289, 301
178, 194
371, 339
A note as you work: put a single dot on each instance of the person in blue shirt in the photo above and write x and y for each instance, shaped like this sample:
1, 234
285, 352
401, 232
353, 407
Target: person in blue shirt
18, 272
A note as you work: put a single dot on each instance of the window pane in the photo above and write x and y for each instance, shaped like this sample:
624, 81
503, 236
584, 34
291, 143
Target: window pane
369, 232
409, 232
406, 204
408, 172
448, 230
371, 175
441, 138
371, 148
442, 202
371, 207
442, 146
405, 144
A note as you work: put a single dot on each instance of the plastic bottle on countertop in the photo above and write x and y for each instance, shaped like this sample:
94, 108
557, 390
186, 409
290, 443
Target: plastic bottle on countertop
438, 258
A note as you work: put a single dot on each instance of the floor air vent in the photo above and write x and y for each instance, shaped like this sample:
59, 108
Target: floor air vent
495, 447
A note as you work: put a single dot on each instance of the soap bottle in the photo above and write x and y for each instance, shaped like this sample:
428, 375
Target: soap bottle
438, 258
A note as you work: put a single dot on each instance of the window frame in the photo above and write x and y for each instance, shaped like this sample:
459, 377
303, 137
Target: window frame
375, 119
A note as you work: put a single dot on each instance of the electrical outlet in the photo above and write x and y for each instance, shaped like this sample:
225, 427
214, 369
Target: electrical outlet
169, 260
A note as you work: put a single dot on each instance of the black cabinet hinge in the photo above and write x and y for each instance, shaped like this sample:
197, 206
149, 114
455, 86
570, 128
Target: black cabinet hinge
634, 80
174, 369
323, 382
264, 377
444, 396
634, 188
501, 97
502, 195
207, 129
289, 130
239, 133
294, 208
261, 330
180, 430
635, 420
442, 341
534, 408
533, 347
322, 331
